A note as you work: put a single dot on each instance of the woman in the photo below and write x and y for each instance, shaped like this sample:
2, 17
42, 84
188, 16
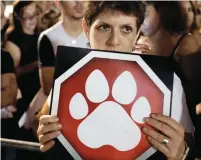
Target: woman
4, 22
165, 30
22, 45
191, 25
113, 26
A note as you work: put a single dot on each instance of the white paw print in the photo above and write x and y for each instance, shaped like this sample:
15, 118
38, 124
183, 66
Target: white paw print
109, 123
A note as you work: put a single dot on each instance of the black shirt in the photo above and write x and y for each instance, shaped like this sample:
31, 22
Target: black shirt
28, 83
7, 64
46, 52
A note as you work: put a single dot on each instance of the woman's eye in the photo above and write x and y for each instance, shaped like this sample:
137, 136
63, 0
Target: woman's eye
127, 29
103, 27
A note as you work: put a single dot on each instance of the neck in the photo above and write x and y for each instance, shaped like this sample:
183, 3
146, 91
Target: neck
3, 21
27, 31
163, 42
72, 26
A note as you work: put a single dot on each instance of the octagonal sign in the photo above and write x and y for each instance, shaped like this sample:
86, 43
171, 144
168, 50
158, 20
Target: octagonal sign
101, 102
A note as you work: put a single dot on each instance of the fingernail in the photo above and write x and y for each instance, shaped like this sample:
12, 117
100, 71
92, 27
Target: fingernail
58, 133
153, 115
149, 138
146, 119
59, 125
144, 129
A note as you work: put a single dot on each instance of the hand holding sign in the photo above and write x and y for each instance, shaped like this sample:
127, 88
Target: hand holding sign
48, 130
168, 136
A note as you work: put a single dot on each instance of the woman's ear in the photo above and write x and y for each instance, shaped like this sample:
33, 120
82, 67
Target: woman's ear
85, 28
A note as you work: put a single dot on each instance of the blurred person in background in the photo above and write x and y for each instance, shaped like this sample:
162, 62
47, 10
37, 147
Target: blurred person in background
49, 14
4, 22
8, 100
164, 29
113, 25
191, 25
165, 34
8, 86
68, 32
22, 45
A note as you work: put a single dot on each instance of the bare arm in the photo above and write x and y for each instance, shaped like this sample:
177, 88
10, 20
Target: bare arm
26, 68
46, 78
8, 89
14, 51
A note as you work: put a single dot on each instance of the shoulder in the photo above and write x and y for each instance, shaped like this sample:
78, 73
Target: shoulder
14, 51
197, 35
12, 35
188, 45
51, 31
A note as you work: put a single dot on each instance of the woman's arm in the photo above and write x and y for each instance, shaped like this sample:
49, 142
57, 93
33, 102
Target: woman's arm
26, 68
14, 52
8, 89
46, 78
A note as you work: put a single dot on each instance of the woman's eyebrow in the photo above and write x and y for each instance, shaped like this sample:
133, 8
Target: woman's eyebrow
127, 24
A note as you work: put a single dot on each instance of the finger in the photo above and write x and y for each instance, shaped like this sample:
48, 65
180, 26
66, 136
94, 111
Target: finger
170, 122
47, 137
48, 128
155, 135
11, 109
159, 146
143, 50
142, 46
47, 146
165, 129
45, 119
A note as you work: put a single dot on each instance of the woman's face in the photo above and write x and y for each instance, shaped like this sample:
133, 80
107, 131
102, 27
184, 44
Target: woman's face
189, 12
151, 22
112, 30
29, 17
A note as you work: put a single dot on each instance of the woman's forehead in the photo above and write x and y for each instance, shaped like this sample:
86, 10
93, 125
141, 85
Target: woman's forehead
29, 9
116, 17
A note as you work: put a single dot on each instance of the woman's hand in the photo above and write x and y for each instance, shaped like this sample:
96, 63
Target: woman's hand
7, 112
142, 48
48, 129
166, 136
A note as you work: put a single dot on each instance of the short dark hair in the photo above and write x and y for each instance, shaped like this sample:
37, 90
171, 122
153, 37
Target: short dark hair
94, 8
172, 17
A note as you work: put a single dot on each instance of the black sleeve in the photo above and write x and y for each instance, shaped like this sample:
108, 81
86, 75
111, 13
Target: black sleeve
45, 52
7, 63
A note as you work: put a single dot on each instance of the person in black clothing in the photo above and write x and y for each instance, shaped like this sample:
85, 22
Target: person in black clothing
8, 99
4, 22
22, 45
165, 30
8, 86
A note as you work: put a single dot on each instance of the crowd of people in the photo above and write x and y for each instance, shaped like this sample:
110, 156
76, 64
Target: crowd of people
29, 41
